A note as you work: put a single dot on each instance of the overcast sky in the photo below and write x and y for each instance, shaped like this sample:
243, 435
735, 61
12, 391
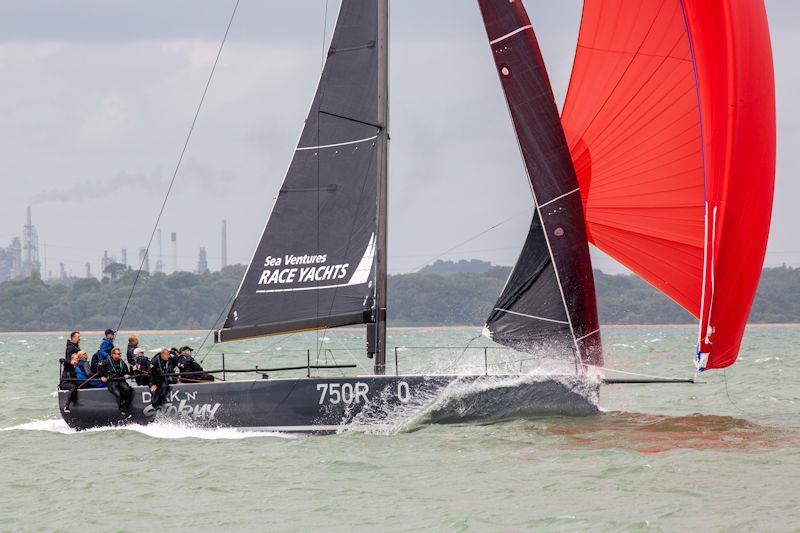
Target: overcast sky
96, 99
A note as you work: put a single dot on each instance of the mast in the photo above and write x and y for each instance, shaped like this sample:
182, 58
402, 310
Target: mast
383, 171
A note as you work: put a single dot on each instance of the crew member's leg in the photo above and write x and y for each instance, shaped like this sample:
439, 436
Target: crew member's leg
72, 387
159, 395
126, 393
113, 388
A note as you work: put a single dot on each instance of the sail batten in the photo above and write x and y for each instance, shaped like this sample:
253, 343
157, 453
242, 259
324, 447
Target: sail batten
315, 264
548, 304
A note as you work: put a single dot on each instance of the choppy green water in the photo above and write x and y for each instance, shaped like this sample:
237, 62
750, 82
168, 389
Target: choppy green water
666, 457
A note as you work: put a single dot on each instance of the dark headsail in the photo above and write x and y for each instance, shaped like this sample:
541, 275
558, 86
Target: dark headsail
548, 302
315, 265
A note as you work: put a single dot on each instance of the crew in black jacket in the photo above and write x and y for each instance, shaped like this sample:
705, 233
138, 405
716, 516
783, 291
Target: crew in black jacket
187, 364
161, 365
133, 344
73, 345
141, 367
113, 373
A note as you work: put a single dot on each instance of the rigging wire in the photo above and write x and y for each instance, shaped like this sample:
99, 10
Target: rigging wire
214, 326
627, 373
480, 234
178, 165
466, 241
458, 359
728, 394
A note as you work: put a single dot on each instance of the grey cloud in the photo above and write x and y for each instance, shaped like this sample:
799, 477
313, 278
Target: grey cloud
451, 135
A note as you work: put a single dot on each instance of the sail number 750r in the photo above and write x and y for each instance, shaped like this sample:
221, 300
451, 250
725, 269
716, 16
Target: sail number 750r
353, 392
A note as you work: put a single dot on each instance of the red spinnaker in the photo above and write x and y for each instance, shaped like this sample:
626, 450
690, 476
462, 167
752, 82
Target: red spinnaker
670, 120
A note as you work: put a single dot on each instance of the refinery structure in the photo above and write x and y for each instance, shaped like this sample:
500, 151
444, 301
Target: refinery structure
20, 258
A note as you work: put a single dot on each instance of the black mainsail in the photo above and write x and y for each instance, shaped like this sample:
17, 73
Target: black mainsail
316, 263
548, 303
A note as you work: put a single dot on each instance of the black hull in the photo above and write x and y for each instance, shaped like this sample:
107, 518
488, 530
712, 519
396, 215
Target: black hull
334, 404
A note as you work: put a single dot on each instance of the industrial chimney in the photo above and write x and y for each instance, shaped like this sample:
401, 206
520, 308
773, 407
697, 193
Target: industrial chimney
144, 260
224, 254
160, 260
202, 261
173, 251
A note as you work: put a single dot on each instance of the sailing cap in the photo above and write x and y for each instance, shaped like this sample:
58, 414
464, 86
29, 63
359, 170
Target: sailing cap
138, 351
110, 331
185, 348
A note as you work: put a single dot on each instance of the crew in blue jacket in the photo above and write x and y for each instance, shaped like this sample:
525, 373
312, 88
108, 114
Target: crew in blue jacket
104, 353
83, 372
107, 344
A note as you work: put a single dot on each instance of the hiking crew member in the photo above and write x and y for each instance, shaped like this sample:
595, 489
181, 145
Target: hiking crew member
161, 365
133, 344
68, 379
114, 372
186, 363
104, 352
73, 345
84, 372
141, 367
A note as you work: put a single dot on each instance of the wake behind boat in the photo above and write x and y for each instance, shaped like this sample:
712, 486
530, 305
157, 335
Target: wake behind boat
687, 213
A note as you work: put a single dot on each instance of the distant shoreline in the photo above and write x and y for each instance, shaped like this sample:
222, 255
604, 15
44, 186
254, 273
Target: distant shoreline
395, 328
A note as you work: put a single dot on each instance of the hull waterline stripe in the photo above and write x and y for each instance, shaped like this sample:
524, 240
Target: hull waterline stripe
532, 316
507, 35
335, 144
560, 197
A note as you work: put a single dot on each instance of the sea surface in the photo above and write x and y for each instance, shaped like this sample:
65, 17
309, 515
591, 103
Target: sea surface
723, 455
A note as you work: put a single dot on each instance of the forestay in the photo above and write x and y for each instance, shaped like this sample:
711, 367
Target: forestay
548, 304
314, 264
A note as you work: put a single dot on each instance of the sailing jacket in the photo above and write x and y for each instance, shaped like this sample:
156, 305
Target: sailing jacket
187, 363
105, 348
68, 372
83, 372
131, 356
102, 354
72, 348
159, 367
113, 369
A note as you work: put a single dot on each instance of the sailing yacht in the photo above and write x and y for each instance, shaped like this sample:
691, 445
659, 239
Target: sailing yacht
321, 261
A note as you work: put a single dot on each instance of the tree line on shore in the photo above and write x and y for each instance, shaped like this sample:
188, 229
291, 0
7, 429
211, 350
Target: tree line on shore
185, 300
